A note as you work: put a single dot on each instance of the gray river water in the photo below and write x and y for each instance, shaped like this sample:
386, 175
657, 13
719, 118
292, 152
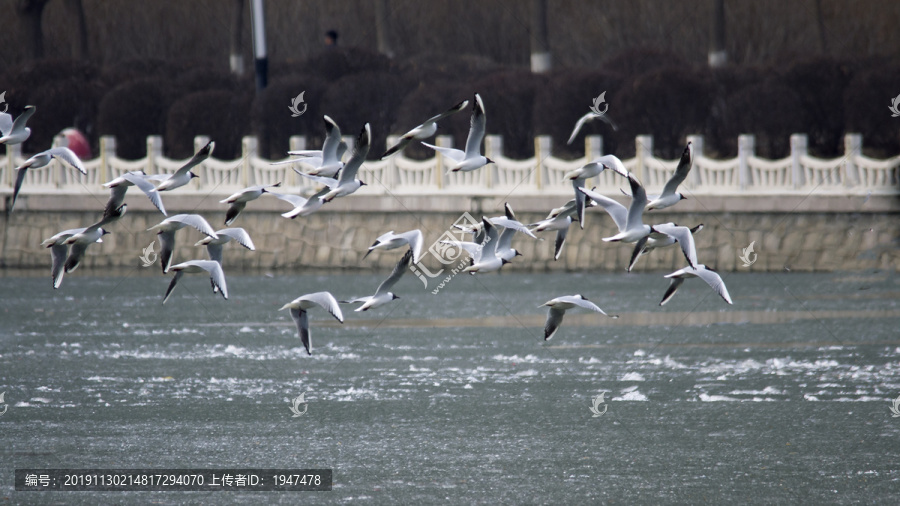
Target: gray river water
784, 397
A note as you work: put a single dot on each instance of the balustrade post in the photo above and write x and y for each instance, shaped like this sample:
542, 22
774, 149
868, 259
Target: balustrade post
248, 146
202, 170
543, 149
643, 149
444, 141
698, 144
798, 150
852, 150
493, 149
746, 149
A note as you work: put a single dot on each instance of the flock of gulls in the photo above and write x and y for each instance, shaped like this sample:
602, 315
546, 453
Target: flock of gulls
489, 249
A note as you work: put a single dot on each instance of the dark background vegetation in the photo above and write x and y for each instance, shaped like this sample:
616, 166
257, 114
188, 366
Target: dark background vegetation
822, 68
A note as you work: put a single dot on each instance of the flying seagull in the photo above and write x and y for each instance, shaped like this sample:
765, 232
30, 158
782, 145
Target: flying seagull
59, 251
327, 161
703, 272
669, 197
216, 275
226, 235
559, 219
391, 240
347, 182
425, 130
119, 186
383, 295
302, 304
43, 159
15, 132
166, 234
651, 242
183, 175
558, 307
239, 200
302, 206
580, 175
470, 159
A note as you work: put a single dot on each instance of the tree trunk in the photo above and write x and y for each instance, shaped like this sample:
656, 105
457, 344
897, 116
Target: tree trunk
717, 54
820, 22
383, 27
76, 10
30, 12
541, 60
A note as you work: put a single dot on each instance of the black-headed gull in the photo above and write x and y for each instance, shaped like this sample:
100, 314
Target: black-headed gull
470, 159
183, 175
216, 275
580, 175
302, 206
226, 235
119, 186
391, 240
15, 131
302, 304
347, 182
558, 307
59, 251
166, 233
383, 294
327, 161
559, 219
669, 197
425, 130
43, 159
652, 242
483, 255
79, 242
239, 200
703, 272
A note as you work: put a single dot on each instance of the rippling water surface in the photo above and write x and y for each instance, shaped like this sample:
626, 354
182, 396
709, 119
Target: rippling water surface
783, 397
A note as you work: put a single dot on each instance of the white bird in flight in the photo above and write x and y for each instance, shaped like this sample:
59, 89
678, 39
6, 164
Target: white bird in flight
15, 131
558, 307
216, 275
183, 175
347, 182
239, 200
383, 294
166, 233
580, 175
470, 159
425, 130
119, 186
669, 197
299, 307
391, 241
703, 272
43, 159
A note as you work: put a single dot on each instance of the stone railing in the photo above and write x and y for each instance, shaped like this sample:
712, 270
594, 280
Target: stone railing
746, 174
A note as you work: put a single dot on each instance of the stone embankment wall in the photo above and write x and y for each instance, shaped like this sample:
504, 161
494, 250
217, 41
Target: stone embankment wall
798, 232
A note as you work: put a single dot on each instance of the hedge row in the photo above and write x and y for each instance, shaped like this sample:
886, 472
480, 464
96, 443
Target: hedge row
648, 92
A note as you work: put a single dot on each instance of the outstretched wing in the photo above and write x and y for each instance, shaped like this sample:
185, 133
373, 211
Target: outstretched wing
681, 172
398, 272
327, 302
616, 210
476, 129
554, 319
68, 156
